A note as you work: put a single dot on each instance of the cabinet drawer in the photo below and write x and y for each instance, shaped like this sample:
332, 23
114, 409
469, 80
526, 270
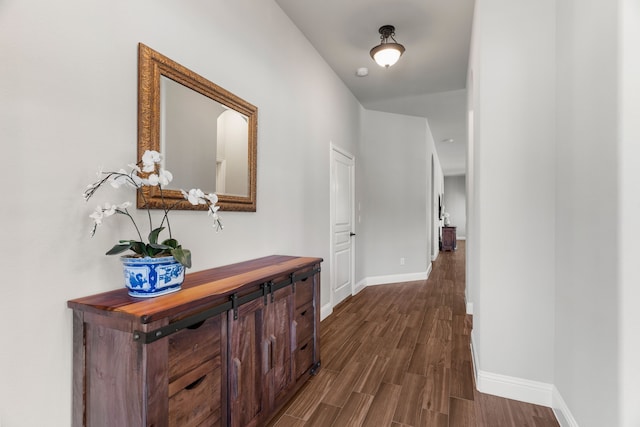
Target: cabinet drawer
304, 291
304, 322
195, 397
191, 347
304, 357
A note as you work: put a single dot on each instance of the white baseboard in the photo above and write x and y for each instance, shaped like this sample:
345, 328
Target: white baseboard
523, 390
535, 392
470, 308
474, 358
561, 410
461, 237
325, 311
391, 278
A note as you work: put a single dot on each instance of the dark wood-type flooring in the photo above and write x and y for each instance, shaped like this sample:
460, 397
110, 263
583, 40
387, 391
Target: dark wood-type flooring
399, 355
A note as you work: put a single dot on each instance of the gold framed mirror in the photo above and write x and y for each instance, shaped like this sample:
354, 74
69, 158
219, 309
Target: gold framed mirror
207, 135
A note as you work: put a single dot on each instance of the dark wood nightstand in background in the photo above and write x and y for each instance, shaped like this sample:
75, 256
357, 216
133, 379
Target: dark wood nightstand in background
448, 238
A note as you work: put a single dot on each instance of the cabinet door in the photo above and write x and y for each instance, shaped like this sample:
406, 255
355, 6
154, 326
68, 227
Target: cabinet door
246, 377
280, 340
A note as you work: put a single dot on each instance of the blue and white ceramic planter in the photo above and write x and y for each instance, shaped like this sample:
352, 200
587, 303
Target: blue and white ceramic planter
151, 277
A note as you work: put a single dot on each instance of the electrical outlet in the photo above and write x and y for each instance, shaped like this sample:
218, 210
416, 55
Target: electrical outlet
401, 261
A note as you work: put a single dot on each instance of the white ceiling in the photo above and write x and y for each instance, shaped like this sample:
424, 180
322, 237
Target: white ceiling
428, 81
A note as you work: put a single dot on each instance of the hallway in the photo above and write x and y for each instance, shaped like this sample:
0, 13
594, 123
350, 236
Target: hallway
398, 355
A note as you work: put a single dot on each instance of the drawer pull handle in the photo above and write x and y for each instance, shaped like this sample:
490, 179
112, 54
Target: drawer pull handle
266, 356
304, 279
235, 385
303, 313
294, 334
304, 347
196, 383
196, 325
273, 351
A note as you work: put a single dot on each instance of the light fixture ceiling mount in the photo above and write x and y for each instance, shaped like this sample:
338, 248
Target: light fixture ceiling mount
387, 53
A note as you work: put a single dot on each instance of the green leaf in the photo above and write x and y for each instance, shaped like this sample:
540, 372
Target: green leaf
139, 248
171, 242
153, 236
159, 246
119, 248
183, 256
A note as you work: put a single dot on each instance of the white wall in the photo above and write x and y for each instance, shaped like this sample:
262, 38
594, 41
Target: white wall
546, 121
629, 214
394, 182
437, 183
69, 105
587, 197
511, 271
599, 213
455, 195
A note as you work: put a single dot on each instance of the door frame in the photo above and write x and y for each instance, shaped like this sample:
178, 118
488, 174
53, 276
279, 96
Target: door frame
333, 149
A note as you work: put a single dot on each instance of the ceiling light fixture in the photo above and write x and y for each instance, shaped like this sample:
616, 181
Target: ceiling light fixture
387, 53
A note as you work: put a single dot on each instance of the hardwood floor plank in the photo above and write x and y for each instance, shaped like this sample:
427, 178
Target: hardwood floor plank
461, 348
371, 377
409, 407
462, 413
461, 385
383, 406
397, 366
436, 395
419, 363
289, 421
408, 338
433, 419
323, 416
344, 385
343, 355
492, 411
428, 323
355, 410
309, 397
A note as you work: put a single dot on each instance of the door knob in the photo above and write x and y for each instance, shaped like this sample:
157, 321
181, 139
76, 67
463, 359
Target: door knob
352, 234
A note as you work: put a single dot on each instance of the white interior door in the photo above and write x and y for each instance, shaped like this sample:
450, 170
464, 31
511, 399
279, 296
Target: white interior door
342, 224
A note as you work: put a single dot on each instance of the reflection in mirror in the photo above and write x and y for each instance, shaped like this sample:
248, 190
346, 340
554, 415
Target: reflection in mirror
206, 134
214, 136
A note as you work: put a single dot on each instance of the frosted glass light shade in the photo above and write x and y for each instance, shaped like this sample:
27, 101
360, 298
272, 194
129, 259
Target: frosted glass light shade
387, 54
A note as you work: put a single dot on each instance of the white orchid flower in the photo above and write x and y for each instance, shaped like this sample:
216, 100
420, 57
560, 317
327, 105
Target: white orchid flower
153, 176
97, 215
151, 180
108, 209
165, 177
195, 196
149, 160
212, 197
119, 179
135, 181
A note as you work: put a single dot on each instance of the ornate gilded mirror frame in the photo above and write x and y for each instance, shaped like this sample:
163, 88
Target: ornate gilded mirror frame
151, 66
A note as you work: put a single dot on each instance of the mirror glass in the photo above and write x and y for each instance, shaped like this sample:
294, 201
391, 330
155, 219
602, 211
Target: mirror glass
207, 135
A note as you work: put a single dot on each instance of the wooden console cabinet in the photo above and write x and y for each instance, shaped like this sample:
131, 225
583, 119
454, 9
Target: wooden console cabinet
229, 349
449, 238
